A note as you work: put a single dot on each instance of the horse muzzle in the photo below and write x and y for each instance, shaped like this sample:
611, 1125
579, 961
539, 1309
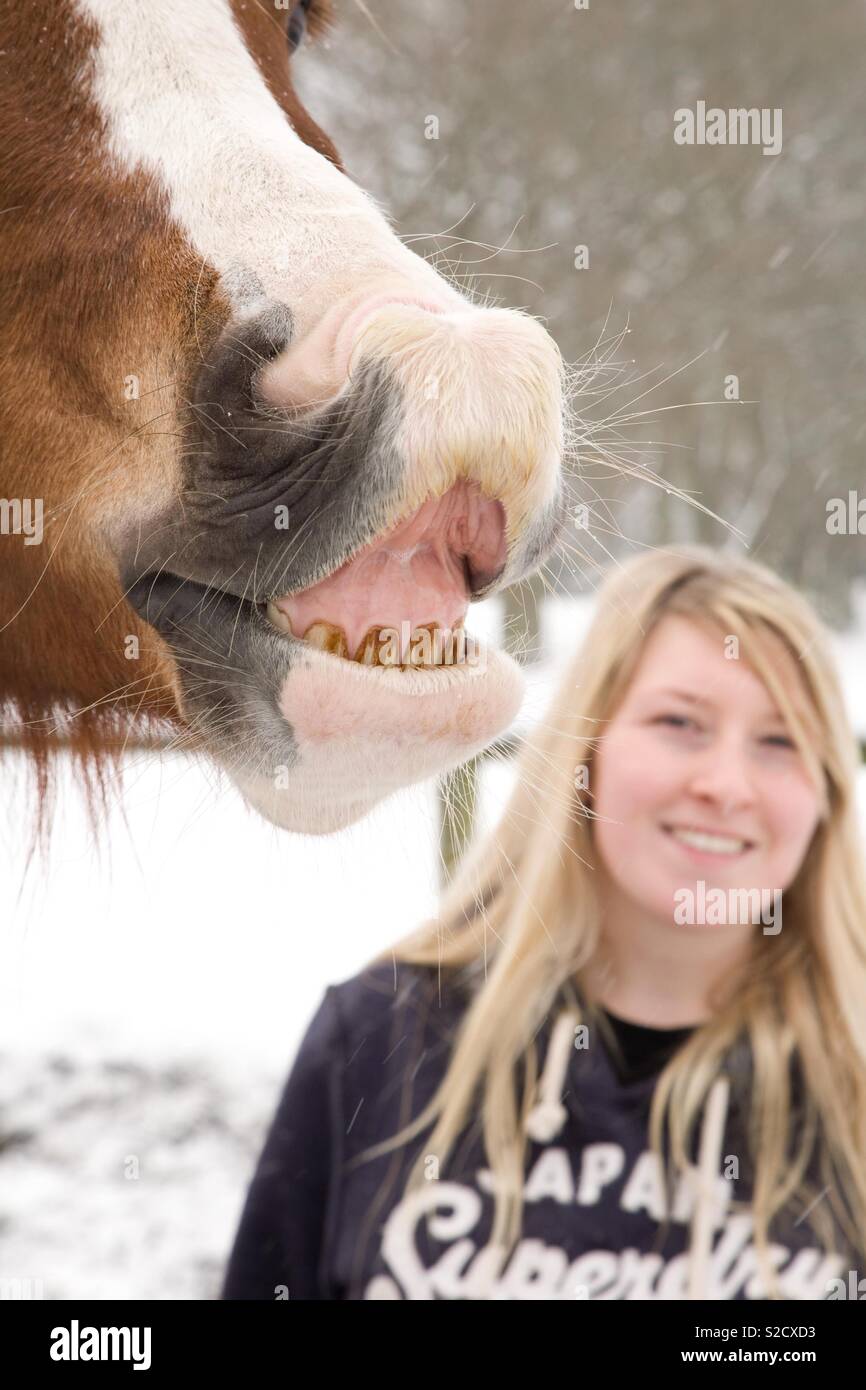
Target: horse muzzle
345, 497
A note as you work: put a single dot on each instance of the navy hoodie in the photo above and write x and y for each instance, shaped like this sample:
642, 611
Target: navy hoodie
319, 1224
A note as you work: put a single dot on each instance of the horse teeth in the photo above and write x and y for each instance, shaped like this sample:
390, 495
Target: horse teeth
279, 619
380, 646
429, 645
365, 654
327, 638
423, 647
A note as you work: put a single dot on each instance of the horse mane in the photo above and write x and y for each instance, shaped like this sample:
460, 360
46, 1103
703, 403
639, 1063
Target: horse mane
46, 735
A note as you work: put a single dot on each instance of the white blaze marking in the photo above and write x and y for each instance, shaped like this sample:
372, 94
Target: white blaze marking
182, 98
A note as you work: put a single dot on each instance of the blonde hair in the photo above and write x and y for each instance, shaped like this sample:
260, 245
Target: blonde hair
522, 917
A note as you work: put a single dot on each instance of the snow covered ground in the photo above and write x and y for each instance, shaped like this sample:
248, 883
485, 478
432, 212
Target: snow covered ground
151, 1001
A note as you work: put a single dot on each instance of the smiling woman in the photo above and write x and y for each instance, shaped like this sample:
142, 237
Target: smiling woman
241, 416
726, 805
705, 1080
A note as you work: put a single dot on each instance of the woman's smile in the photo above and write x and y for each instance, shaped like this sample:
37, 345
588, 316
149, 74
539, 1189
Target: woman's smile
699, 845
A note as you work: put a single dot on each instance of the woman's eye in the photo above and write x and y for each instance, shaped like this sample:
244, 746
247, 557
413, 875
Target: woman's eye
779, 741
298, 24
676, 721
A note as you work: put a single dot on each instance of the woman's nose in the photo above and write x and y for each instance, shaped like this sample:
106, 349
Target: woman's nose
722, 774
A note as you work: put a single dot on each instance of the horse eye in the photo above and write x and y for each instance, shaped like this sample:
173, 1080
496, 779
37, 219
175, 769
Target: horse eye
298, 25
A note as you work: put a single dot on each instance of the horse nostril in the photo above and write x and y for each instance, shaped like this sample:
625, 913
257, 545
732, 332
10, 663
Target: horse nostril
319, 362
227, 379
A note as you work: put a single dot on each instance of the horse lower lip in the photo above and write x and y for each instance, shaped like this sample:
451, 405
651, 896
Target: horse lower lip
313, 742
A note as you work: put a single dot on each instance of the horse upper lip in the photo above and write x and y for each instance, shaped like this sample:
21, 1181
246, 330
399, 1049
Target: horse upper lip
462, 522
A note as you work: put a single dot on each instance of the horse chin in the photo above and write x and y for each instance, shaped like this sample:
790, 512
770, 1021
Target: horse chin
359, 734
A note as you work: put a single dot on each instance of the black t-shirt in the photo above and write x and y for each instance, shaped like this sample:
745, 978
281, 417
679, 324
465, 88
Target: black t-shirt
645, 1049
319, 1223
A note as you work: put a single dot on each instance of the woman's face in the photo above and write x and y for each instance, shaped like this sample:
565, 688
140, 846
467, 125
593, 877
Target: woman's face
696, 778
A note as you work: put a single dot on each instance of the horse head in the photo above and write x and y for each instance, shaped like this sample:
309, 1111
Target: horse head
258, 456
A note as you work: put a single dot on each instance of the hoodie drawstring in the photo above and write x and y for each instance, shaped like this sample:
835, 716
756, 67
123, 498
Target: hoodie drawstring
705, 1178
547, 1117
